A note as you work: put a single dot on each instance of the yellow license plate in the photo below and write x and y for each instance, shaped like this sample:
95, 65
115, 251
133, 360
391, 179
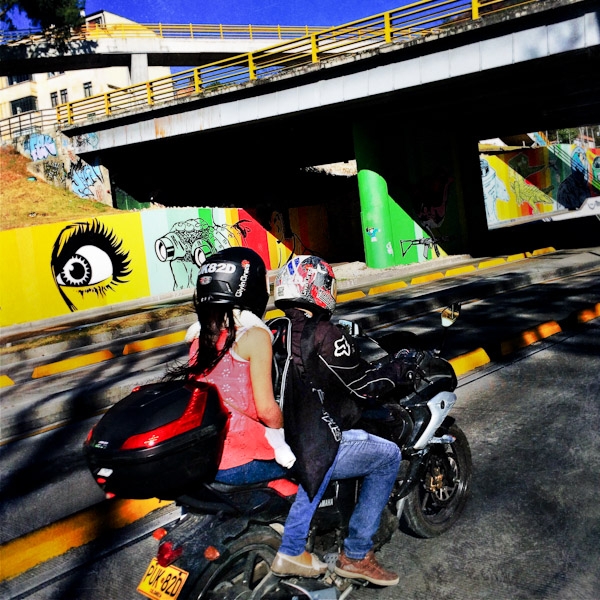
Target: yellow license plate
162, 583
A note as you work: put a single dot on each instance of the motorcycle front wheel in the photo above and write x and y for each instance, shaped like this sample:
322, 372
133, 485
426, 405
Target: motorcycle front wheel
247, 564
439, 498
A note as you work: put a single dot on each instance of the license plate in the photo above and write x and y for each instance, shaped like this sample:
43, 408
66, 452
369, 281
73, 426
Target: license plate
162, 583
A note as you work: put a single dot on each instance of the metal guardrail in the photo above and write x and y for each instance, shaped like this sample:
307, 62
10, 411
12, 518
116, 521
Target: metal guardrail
164, 30
26, 123
408, 22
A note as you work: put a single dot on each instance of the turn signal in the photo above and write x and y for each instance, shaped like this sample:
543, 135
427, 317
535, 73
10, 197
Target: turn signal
160, 533
211, 553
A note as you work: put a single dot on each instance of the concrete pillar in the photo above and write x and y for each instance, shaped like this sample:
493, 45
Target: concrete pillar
138, 70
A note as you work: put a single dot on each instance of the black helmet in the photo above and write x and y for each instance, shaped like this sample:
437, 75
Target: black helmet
234, 277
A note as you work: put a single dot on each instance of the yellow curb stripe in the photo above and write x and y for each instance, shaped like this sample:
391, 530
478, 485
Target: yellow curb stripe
543, 251
583, 316
5, 381
156, 342
271, 314
17, 556
468, 362
530, 337
426, 278
72, 363
350, 296
515, 257
460, 271
486, 264
388, 287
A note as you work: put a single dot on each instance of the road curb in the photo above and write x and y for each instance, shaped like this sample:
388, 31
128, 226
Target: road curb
23, 553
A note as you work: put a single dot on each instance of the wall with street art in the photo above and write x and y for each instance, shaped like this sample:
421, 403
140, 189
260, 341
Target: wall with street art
550, 182
71, 266
54, 159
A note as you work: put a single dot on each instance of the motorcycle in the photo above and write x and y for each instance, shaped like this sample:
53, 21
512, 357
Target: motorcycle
163, 440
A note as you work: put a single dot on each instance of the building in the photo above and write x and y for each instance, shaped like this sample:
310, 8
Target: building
27, 98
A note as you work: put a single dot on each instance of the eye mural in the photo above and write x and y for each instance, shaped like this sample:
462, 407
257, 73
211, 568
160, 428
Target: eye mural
88, 262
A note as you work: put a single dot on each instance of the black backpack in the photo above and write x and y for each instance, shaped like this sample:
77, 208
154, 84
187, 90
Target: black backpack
311, 432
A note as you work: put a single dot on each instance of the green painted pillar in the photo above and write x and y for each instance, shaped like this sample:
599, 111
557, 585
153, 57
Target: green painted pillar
375, 210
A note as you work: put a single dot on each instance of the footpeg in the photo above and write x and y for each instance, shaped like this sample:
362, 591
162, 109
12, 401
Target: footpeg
445, 439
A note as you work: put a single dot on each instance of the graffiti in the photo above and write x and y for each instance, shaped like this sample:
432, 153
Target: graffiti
493, 189
288, 242
40, 146
573, 191
88, 260
427, 243
84, 178
88, 140
525, 191
372, 233
189, 243
432, 195
54, 172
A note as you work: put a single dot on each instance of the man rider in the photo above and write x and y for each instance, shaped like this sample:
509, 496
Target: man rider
305, 288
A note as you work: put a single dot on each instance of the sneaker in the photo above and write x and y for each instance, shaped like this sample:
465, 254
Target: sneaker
303, 565
365, 568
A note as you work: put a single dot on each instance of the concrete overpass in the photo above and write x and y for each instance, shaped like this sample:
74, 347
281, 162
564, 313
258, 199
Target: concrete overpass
528, 68
140, 47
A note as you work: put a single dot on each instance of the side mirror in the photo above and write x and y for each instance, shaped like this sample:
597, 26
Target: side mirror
450, 314
350, 327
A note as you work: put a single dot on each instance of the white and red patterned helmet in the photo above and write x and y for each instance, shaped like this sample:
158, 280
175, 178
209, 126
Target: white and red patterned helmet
306, 282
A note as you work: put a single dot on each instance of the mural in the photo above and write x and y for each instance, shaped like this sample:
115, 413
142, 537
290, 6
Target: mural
88, 258
535, 183
71, 266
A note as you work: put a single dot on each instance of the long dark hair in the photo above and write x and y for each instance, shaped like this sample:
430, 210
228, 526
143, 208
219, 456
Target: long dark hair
213, 319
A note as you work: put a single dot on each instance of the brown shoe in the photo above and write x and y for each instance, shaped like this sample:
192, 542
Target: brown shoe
303, 565
365, 568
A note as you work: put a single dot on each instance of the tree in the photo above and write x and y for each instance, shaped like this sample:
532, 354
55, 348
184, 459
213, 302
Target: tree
46, 14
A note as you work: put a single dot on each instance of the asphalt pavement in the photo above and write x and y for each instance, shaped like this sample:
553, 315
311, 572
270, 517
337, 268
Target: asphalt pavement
378, 299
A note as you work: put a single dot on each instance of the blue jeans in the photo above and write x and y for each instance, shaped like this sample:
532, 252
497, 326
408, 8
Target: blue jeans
252, 472
360, 455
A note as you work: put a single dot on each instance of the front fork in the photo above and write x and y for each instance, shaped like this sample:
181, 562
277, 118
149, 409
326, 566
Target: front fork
415, 471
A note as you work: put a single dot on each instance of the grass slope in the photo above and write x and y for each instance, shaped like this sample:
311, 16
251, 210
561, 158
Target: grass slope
24, 203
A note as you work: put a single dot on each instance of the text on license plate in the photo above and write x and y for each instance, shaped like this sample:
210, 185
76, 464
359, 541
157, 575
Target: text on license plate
162, 583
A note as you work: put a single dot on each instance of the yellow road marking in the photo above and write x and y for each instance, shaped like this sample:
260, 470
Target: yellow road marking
17, 556
486, 264
543, 251
387, 287
583, 316
530, 337
467, 362
156, 342
350, 296
460, 270
426, 278
5, 381
72, 363
515, 257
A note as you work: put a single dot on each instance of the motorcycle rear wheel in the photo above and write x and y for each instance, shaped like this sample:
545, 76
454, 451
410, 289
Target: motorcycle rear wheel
248, 563
439, 498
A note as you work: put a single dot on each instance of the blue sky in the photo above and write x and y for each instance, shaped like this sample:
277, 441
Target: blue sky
242, 12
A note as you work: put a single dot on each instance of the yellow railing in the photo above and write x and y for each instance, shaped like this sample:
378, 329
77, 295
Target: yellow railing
419, 19
165, 30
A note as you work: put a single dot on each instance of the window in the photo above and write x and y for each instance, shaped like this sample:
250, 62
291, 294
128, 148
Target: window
87, 89
14, 79
55, 73
64, 97
23, 105
54, 98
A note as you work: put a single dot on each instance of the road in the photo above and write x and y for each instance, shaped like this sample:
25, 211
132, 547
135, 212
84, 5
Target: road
531, 527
